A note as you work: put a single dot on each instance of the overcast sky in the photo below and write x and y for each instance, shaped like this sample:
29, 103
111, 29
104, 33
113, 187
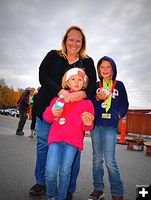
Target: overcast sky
120, 29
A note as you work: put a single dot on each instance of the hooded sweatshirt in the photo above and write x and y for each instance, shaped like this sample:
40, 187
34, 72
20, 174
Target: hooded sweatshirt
119, 101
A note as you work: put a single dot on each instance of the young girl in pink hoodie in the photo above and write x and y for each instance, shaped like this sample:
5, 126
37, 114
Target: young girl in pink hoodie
66, 134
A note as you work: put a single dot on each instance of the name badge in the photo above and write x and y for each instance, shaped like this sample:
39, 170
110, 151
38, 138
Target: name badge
106, 116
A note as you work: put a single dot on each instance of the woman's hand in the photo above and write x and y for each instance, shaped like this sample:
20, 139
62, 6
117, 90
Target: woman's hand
66, 95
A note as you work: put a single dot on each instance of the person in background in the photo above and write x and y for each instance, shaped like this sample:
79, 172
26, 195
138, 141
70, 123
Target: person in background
54, 65
23, 107
110, 104
66, 134
33, 114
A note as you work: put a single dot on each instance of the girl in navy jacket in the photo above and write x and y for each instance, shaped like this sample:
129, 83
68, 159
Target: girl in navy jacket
110, 104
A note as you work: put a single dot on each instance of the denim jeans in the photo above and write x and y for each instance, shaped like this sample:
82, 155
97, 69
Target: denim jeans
59, 162
42, 130
104, 145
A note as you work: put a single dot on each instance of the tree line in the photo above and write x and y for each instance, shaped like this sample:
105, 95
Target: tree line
8, 96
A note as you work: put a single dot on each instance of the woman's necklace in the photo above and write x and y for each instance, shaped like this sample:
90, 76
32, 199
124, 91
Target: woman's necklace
72, 60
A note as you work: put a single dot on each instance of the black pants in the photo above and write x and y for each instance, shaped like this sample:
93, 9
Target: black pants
33, 122
22, 120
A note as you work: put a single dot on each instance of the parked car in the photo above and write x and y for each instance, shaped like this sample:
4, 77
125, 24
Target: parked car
11, 111
14, 112
1, 111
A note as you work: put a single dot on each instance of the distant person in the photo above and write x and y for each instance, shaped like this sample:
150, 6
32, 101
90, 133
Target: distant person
33, 114
23, 107
110, 104
66, 134
54, 65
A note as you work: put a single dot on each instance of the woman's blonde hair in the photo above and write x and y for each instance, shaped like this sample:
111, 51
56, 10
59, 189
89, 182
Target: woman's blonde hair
64, 79
82, 52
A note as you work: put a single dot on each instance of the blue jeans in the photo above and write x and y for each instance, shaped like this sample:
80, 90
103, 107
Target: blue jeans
42, 130
104, 145
60, 158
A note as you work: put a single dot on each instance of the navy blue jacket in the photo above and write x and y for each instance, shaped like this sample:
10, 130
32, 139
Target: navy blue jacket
119, 107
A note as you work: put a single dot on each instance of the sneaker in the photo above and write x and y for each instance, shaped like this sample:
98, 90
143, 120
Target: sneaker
37, 190
69, 196
96, 195
19, 133
117, 198
30, 136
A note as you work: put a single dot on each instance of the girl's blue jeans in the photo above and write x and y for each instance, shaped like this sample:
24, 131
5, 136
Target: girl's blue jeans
59, 162
42, 130
104, 145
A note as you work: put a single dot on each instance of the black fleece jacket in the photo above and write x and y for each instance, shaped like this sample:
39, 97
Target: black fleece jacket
51, 72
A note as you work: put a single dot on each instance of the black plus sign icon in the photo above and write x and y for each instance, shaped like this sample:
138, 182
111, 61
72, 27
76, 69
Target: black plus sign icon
143, 192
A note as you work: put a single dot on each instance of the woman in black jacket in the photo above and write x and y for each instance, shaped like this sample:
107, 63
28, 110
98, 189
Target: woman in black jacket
52, 68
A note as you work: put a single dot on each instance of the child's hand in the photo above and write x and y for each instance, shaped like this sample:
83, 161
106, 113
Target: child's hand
101, 94
87, 118
57, 112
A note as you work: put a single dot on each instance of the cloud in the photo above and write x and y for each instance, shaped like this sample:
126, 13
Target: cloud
120, 29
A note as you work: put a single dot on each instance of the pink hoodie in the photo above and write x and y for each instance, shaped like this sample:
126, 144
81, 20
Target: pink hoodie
72, 132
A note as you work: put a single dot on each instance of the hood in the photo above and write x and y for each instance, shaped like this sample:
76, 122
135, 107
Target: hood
112, 64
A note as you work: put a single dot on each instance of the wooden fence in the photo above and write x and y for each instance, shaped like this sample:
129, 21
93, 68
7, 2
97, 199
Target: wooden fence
137, 122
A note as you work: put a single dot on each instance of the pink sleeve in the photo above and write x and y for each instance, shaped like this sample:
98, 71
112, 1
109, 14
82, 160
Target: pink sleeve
89, 108
87, 128
47, 115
